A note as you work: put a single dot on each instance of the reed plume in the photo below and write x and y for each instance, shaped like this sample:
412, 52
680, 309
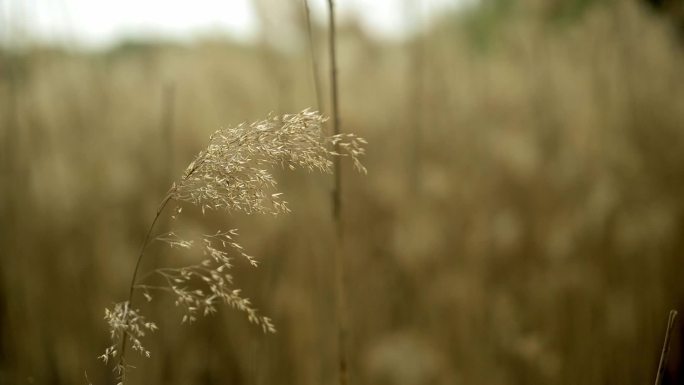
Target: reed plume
232, 173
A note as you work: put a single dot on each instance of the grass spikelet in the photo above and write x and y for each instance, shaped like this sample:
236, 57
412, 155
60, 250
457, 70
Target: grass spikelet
232, 173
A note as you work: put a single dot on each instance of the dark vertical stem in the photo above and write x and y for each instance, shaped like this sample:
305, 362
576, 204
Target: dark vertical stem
316, 283
666, 347
414, 106
314, 62
335, 112
337, 209
166, 128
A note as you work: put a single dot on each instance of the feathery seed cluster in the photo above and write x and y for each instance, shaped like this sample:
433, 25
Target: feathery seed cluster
231, 173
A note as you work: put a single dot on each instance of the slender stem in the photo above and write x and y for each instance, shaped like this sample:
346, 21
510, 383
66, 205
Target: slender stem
666, 347
415, 108
337, 192
143, 247
146, 242
166, 128
314, 62
151, 287
337, 210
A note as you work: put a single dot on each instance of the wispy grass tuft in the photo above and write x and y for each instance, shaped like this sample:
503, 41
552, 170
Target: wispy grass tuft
232, 173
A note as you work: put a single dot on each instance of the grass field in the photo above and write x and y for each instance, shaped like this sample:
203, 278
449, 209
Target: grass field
521, 222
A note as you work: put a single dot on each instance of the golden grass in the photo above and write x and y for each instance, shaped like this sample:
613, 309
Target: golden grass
544, 245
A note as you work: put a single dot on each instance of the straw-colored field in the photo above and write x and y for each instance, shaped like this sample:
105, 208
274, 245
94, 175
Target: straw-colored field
521, 222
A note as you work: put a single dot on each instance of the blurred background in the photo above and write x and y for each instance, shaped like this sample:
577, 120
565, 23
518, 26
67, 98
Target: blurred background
522, 221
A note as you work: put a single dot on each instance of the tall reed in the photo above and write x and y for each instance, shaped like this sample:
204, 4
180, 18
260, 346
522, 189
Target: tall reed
341, 285
414, 102
312, 51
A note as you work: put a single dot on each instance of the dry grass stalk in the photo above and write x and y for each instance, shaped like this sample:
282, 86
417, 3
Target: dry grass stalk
312, 50
231, 173
415, 74
166, 122
666, 347
340, 286
337, 192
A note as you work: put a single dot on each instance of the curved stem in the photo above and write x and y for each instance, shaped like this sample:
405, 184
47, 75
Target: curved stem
143, 247
146, 242
666, 348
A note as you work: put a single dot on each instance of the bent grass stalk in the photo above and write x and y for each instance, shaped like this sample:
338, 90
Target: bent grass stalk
232, 174
660, 373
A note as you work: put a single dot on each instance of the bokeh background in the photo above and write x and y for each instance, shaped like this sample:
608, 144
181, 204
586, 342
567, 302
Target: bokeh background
522, 221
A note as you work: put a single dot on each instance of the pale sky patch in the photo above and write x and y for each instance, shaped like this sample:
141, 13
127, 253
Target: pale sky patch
98, 23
